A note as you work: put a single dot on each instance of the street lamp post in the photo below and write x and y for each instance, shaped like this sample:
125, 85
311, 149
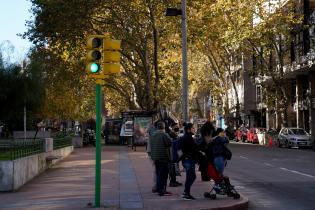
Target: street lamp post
182, 12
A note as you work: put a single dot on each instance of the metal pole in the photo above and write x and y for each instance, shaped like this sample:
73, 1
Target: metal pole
98, 148
184, 63
24, 120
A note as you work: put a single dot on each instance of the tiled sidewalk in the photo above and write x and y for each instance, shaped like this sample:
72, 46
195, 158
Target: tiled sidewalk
126, 184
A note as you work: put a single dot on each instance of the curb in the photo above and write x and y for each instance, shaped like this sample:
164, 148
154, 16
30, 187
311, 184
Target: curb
242, 204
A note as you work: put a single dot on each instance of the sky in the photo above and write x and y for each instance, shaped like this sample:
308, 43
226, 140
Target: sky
13, 14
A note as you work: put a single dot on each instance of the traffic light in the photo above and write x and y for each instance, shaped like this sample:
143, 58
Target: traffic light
94, 54
111, 54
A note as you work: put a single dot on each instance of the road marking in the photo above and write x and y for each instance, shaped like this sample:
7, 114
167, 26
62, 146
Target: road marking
244, 157
239, 187
296, 172
268, 164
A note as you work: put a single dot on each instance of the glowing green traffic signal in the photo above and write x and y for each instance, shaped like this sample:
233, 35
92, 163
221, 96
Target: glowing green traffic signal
93, 68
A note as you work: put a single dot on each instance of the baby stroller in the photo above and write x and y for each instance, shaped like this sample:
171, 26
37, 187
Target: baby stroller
223, 181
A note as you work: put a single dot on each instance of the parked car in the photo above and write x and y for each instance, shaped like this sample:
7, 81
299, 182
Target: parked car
243, 134
272, 132
252, 136
294, 137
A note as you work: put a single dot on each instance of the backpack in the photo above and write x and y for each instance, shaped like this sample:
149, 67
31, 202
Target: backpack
227, 153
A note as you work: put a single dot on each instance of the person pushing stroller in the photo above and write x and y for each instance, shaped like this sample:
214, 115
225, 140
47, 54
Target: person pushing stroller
217, 154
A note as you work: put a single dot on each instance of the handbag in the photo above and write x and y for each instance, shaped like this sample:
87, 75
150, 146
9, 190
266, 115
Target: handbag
227, 153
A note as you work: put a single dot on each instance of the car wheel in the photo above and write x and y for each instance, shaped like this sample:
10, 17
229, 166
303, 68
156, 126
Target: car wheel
279, 143
287, 143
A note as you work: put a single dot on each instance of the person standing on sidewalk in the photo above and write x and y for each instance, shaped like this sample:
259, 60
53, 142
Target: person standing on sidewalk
160, 144
189, 159
174, 167
151, 131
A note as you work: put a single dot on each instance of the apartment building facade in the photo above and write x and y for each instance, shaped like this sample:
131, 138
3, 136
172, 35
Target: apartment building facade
299, 75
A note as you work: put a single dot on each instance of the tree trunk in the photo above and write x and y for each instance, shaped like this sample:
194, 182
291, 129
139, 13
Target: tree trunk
237, 106
148, 83
200, 112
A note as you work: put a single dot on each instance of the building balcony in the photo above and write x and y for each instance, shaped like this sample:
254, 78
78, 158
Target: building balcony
301, 66
261, 79
301, 105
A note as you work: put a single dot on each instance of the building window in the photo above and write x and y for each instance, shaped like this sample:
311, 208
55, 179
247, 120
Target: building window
258, 94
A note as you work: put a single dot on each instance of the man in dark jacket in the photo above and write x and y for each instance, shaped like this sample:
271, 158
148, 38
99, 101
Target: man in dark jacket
160, 153
189, 158
175, 157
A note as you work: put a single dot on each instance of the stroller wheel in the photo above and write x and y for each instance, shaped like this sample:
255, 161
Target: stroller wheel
236, 196
213, 196
230, 194
206, 195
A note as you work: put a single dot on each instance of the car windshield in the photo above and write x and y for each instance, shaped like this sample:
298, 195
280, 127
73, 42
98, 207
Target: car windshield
297, 131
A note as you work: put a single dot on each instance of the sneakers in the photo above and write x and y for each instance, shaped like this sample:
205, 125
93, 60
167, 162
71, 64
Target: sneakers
188, 197
175, 184
165, 194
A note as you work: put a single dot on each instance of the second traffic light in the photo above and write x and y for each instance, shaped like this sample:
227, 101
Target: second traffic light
111, 49
94, 54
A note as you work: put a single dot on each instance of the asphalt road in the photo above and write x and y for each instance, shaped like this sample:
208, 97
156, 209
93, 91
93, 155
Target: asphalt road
273, 178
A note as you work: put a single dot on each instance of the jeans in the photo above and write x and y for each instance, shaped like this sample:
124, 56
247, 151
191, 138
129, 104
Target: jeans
219, 163
161, 170
172, 173
189, 166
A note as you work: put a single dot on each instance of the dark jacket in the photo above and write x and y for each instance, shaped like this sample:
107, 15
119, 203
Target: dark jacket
215, 148
189, 147
208, 150
160, 143
218, 146
176, 147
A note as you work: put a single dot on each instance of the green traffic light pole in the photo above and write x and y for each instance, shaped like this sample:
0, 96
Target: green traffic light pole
98, 148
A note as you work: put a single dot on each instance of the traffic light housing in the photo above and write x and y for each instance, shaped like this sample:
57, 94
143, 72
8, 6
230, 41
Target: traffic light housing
111, 60
94, 54
102, 58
